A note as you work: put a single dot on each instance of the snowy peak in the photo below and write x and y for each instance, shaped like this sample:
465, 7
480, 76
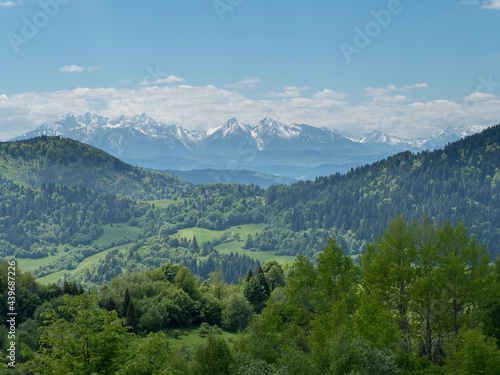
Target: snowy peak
231, 128
142, 135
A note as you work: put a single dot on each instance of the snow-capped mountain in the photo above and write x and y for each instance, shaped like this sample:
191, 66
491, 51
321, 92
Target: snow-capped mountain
379, 138
296, 150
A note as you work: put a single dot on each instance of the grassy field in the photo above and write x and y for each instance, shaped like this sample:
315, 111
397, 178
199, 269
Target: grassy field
54, 277
116, 232
204, 235
164, 203
111, 233
27, 265
189, 337
261, 256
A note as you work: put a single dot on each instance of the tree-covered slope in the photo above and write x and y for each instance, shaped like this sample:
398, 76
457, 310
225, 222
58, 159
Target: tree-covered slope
64, 161
460, 182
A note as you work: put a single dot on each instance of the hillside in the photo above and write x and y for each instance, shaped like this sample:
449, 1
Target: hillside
460, 182
44, 159
212, 176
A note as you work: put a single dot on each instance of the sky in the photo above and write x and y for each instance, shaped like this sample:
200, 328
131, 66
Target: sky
408, 68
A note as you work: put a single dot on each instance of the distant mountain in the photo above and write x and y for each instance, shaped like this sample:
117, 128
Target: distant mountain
299, 151
212, 176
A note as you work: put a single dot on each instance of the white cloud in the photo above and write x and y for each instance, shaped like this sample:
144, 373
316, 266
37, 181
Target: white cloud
380, 92
244, 83
202, 107
290, 92
491, 4
169, 79
7, 4
486, 4
78, 69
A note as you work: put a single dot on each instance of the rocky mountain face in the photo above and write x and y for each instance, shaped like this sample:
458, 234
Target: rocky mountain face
270, 147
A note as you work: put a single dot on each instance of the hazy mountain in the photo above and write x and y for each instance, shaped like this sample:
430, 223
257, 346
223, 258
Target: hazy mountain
270, 147
212, 176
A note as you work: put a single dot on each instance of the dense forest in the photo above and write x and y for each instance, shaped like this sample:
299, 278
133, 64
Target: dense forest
418, 297
64, 161
460, 182
57, 195
423, 299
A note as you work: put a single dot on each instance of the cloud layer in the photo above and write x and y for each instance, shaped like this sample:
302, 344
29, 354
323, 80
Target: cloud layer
491, 4
389, 108
78, 69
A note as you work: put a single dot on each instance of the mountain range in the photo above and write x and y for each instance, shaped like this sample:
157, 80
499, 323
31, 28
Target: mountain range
271, 148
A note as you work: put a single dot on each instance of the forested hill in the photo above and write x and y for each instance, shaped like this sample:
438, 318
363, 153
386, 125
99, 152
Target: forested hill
460, 182
44, 159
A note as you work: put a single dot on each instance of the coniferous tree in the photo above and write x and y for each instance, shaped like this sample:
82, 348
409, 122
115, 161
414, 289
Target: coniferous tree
126, 302
131, 317
248, 275
262, 280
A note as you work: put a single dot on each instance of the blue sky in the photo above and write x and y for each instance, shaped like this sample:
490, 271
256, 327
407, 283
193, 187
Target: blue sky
409, 68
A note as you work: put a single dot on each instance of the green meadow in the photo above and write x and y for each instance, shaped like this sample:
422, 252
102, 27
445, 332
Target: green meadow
204, 235
111, 233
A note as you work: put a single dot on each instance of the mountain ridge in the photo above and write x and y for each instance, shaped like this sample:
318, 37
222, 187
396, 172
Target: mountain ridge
148, 143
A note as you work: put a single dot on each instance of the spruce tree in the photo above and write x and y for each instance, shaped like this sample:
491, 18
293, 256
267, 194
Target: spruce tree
248, 275
262, 280
131, 317
126, 302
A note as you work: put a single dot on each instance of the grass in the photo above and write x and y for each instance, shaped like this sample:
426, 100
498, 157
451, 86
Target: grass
164, 203
111, 233
261, 256
190, 338
27, 265
204, 235
115, 232
54, 277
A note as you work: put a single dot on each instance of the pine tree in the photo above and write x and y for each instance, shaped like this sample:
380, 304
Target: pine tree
248, 275
126, 302
194, 244
255, 294
262, 280
131, 317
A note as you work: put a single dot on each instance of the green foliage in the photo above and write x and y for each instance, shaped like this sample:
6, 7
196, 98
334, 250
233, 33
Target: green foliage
90, 341
355, 207
34, 221
64, 161
473, 353
131, 317
436, 279
255, 294
246, 366
212, 357
152, 355
206, 329
237, 312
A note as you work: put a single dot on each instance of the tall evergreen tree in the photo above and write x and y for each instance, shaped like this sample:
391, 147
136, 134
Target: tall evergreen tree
131, 317
262, 280
126, 302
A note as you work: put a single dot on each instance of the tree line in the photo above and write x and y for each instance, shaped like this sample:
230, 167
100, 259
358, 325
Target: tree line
423, 299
